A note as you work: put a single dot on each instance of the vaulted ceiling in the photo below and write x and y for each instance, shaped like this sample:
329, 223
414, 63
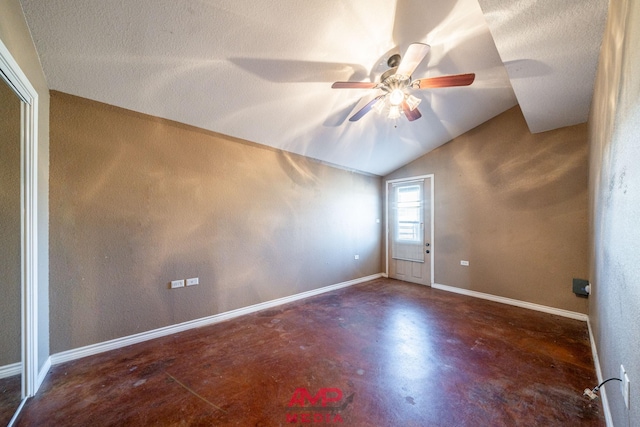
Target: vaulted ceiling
262, 70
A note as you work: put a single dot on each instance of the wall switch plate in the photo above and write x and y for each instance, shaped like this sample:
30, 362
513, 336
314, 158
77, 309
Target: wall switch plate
356, 257
465, 263
625, 386
193, 281
177, 284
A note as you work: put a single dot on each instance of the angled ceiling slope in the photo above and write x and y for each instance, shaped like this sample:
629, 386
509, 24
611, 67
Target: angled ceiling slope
551, 50
262, 71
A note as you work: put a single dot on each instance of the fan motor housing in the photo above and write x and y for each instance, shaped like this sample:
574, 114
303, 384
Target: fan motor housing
387, 74
394, 61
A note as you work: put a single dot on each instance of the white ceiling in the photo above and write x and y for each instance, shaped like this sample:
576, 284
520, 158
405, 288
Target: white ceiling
262, 70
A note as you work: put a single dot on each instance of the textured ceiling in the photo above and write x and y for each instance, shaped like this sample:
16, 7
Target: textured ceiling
262, 70
550, 49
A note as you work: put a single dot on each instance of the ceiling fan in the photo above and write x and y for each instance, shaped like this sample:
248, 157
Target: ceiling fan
396, 82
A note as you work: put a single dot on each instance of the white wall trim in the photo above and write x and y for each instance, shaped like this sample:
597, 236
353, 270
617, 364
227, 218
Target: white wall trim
43, 372
11, 73
77, 353
603, 394
515, 302
10, 370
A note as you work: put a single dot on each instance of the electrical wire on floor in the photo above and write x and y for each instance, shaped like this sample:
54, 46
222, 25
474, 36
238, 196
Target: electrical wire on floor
593, 393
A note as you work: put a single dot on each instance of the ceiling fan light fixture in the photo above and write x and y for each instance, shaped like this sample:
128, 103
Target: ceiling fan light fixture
413, 102
394, 112
395, 84
396, 97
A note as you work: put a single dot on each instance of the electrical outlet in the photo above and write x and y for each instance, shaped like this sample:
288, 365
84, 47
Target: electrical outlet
465, 263
625, 385
193, 281
177, 284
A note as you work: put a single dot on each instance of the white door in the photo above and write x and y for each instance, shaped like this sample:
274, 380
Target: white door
409, 233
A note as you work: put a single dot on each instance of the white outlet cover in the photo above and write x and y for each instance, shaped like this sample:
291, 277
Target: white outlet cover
625, 385
177, 284
193, 281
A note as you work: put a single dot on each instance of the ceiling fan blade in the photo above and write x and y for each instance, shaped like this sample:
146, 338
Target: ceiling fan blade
354, 85
411, 114
412, 58
364, 110
445, 81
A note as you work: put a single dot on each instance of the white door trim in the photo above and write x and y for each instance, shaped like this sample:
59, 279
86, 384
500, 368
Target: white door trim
11, 73
431, 178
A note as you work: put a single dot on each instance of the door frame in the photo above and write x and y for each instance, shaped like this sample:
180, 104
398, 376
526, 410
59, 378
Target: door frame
431, 187
11, 73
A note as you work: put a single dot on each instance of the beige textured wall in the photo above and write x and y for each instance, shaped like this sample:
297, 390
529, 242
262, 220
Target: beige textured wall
614, 308
137, 202
15, 35
9, 226
514, 204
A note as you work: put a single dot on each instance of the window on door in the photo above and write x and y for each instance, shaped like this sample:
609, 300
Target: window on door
408, 221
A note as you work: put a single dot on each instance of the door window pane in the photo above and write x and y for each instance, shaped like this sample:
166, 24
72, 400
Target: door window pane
409, 214
407, 219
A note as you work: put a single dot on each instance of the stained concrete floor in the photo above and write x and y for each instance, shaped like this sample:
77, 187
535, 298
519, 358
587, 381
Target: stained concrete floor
381, 353
10, 397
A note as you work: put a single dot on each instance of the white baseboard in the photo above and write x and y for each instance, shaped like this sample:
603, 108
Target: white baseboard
603, 394
16, 369
551, 310
10, 370
514, 302
42, 374
77, 353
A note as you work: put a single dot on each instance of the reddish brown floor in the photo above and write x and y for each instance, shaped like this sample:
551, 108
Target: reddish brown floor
382, 353
10, 397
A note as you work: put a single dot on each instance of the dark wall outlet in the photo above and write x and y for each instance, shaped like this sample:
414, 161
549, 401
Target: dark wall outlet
581, 287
